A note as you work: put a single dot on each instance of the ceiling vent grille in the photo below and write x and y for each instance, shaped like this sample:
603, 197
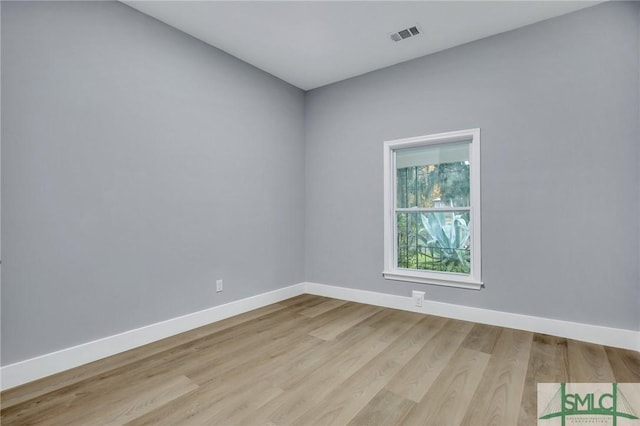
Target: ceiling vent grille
406, 33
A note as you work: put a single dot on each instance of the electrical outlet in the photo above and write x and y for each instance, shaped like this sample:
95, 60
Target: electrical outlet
219, 286
418, 297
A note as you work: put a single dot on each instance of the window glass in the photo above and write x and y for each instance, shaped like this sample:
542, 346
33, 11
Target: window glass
433, 176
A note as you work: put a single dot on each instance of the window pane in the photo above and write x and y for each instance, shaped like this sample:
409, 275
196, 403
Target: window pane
434, 241
433, 176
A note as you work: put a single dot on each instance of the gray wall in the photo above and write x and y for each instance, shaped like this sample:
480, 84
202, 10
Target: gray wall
558, 107
138, 166
638, 126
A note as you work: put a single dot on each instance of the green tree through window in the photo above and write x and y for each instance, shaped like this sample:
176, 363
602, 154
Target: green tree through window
437, 241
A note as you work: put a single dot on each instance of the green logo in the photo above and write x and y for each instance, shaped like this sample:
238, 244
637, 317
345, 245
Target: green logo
588, 400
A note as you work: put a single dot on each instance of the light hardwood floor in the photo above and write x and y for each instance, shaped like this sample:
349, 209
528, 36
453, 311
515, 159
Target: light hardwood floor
311, 360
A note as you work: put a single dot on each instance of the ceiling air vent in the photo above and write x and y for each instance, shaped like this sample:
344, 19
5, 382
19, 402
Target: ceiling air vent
406, 33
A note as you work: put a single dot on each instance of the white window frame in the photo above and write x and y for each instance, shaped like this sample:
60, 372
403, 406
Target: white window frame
471, 281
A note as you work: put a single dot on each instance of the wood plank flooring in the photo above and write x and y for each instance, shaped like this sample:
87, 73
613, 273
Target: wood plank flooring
312, 360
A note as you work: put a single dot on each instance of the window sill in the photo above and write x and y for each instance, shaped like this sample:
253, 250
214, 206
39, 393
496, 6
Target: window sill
447, 281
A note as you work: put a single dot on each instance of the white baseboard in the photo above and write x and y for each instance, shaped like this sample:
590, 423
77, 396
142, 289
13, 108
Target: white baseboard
35, 368
616, 337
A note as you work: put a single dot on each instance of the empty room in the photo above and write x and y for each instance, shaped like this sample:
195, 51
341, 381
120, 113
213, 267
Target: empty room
320, 212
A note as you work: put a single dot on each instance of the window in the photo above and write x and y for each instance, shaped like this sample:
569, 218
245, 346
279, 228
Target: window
432, 209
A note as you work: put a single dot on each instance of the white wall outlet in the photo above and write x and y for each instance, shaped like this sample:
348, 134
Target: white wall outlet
418, 297
219, 285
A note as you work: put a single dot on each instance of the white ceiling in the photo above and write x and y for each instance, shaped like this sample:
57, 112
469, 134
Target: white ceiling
313, 43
